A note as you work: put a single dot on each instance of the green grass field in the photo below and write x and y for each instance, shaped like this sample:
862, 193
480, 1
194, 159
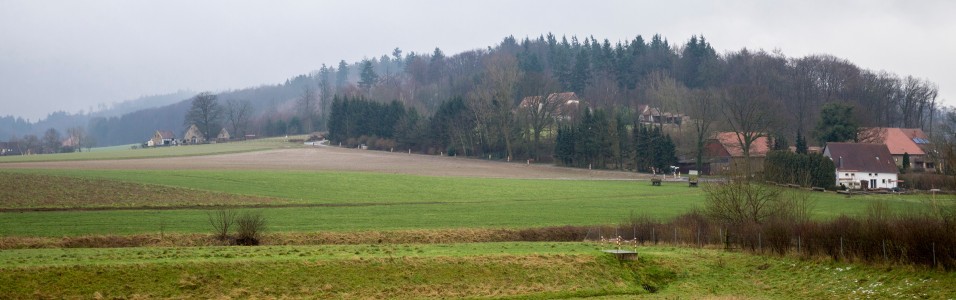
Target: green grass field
125, 152
475, 270
363, 201
349, 203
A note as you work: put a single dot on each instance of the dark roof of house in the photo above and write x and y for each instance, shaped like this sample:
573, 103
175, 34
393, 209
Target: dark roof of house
166, 134
861, 157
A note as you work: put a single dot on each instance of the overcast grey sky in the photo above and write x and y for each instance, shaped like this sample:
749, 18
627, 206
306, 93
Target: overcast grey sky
71, 55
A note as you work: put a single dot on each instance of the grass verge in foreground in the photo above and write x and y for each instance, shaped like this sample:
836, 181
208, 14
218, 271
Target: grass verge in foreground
410, 271
481, 270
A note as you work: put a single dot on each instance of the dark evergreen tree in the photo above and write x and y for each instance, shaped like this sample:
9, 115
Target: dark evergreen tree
801, 144
585, 144
906, 163
623, 143
779, 142
641, 148
814, 170
581, 74
295, 126
368, 76
836, 123
410, 131
452, 127
667, 153
564, 150
342, 74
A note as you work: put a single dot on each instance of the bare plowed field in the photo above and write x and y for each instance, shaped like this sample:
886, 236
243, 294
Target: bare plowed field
340, 159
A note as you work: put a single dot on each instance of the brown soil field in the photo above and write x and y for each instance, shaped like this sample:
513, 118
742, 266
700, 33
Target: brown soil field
29, 192
342, 159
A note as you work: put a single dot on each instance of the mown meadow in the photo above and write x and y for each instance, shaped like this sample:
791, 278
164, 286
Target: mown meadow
354, 235
343, 201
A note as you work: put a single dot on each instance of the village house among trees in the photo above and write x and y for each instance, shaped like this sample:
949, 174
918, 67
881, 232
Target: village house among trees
640, 105
905, 144
726, 155
862, 166
162, 138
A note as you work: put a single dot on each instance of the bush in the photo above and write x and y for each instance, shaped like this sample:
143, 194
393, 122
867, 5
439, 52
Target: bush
739, 202
813, 170
928, 181
552, 234
759, 217
250, 227
221, 222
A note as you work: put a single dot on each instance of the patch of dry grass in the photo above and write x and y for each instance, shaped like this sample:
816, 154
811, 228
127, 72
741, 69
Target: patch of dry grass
536, 276
438, 236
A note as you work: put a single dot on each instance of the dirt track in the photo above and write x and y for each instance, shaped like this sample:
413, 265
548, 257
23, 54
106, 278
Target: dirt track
339, 159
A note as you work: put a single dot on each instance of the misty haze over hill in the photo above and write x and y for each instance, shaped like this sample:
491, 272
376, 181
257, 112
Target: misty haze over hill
610, 76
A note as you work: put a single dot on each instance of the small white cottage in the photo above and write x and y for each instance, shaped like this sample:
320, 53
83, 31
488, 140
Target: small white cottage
862, 166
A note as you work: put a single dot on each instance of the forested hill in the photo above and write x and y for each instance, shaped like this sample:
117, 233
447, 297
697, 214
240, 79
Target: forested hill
613, 76
61, 121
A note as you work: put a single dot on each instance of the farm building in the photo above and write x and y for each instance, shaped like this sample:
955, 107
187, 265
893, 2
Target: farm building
223, 136
900, 141
162, 138
9, 148
727, 156
193, 136
862, 166
563, 106
652, 115
70, 142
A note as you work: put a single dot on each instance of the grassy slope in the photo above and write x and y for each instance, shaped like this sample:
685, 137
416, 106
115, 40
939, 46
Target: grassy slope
413, 202
535, 270
128, 153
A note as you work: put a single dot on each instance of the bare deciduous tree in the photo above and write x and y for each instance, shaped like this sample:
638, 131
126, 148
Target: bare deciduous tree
740, 202
493, 99
747, 109
221, 222
51, 141
540, 112
238, 112
205, 113
30, 144
702, 107
665, 93
308, 105
78, 136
